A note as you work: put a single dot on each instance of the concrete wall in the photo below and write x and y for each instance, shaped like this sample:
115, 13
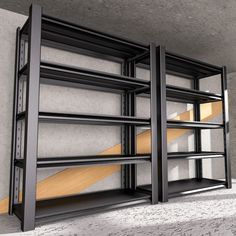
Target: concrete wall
9, 23
59, 140
232, 123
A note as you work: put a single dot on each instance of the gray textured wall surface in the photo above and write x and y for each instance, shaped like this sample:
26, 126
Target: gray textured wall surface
232, 123
58, 140
203, 29
9, 22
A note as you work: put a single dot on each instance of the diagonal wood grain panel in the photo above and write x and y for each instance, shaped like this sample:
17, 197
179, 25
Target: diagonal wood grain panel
75, 180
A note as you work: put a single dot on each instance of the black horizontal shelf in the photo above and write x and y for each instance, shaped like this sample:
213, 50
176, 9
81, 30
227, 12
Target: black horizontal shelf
176, 124
194, 155
58, 74
89, 119
85, 203
188, 67
175, 93
184, 95
188, 186
88, 160
114, 159
56, 32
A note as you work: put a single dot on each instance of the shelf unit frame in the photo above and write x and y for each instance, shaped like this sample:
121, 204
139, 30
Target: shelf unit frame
40, 30
93, 43
194, 70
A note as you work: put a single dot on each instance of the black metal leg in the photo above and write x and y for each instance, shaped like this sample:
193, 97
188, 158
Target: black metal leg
132, 143
31, 120
16, 125
125, 147
125, 132
129, 132
226, 127
197, 132
158, 125
162, 124
14, 172
132, 130
154, 148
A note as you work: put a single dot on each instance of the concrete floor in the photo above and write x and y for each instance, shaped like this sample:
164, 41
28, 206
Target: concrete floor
210, 213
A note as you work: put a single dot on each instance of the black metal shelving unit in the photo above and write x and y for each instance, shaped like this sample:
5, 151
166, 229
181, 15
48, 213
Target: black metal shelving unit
42, 30
169, 63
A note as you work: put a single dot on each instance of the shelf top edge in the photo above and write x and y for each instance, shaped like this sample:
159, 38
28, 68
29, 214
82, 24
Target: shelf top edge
193, 61
96, 33
112, 37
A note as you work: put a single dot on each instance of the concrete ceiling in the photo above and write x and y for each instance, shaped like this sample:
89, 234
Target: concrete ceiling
203, 29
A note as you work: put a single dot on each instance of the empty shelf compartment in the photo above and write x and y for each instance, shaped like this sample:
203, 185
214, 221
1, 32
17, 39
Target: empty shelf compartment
85, 203
188, 186
66, 35
189, 68
58, 74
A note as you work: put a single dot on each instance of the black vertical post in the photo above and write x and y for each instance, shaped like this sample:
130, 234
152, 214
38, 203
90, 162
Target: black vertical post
16, 125
158, 124
129, 172
226, 127
161, 124
31, 119
154, 126
197, 132
125, 131
132, 130
13, 193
